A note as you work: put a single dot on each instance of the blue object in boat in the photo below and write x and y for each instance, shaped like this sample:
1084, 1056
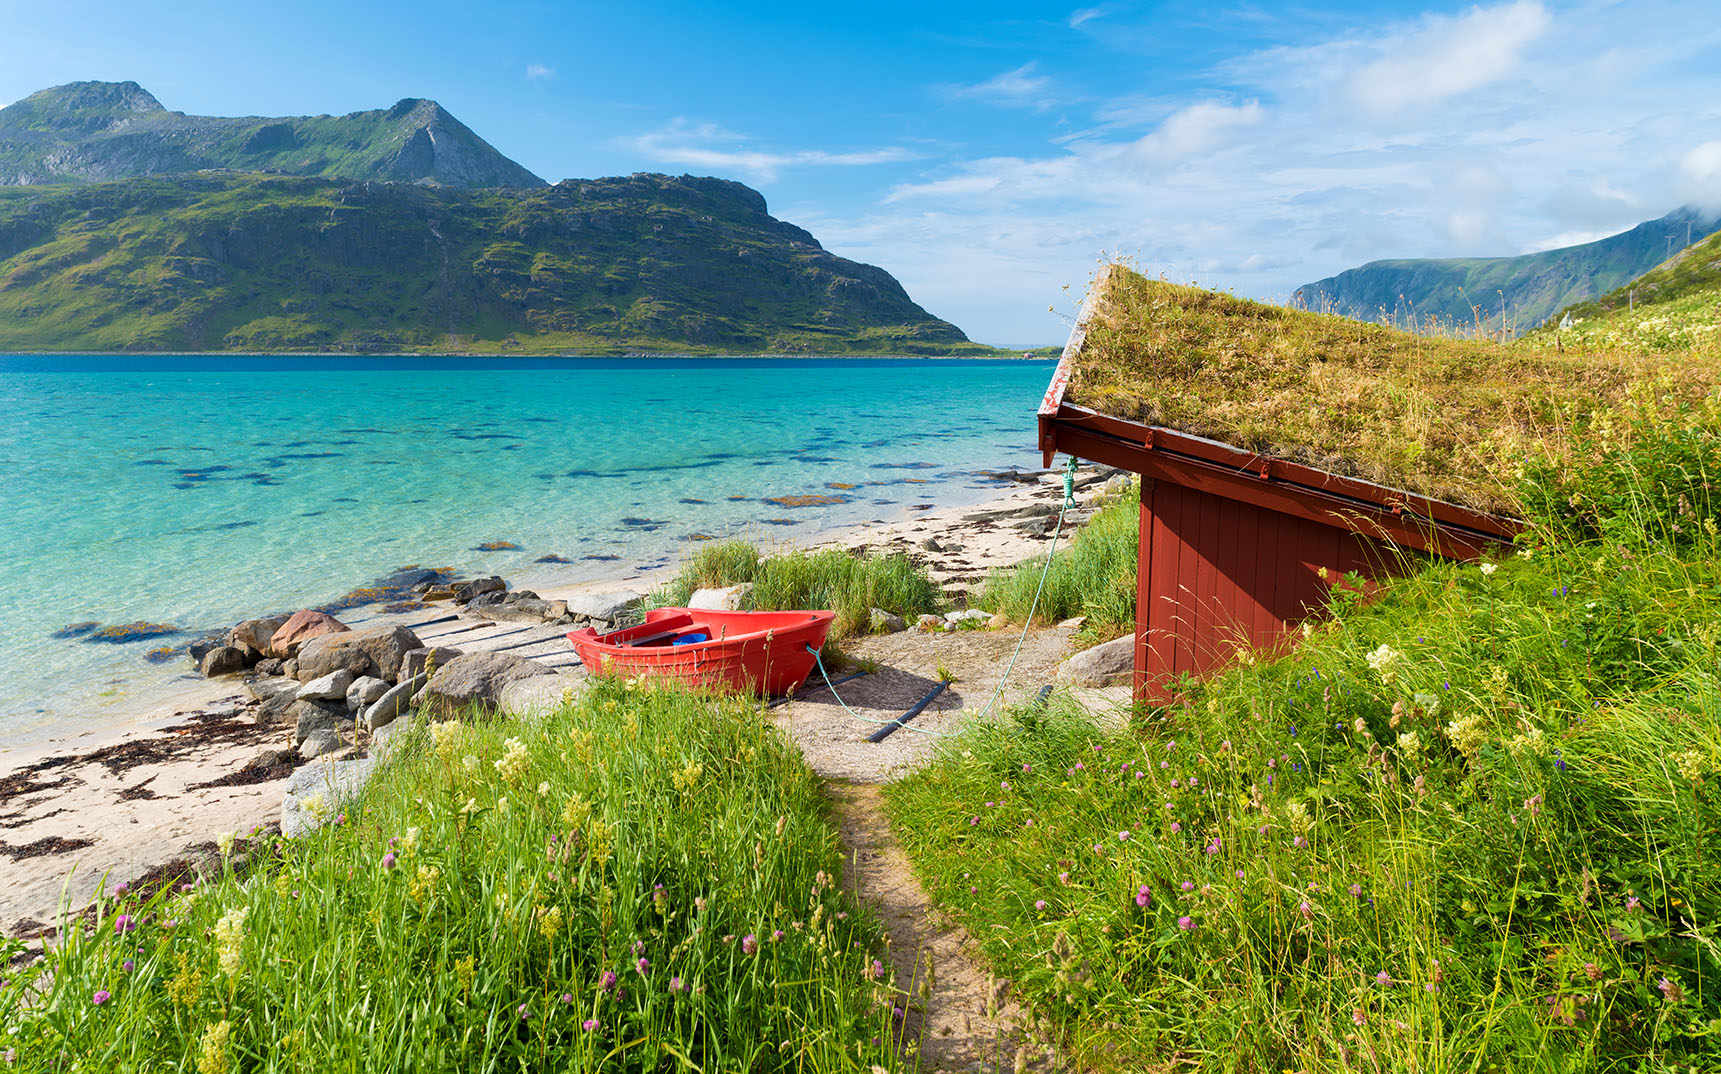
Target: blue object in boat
691, 639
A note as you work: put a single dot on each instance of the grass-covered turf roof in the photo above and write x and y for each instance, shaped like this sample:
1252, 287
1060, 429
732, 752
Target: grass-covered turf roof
1450, 419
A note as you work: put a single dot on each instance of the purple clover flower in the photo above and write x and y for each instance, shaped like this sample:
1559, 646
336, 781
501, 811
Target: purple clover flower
749, 944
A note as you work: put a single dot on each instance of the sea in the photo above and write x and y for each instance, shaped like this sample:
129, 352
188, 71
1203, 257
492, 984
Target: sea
147, 501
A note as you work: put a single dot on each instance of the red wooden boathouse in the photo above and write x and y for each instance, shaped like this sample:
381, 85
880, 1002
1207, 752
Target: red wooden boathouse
1237, 548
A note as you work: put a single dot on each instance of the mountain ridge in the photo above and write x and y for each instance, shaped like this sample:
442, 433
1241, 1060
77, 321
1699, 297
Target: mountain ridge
1463, 294
95, 131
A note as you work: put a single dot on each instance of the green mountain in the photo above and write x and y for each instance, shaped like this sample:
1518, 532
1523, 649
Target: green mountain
1676, 305
1462, 293
646, 263
91, 131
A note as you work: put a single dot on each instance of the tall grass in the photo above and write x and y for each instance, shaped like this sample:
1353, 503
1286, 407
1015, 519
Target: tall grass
851, 584
641, 881
1469, 826
1093, 575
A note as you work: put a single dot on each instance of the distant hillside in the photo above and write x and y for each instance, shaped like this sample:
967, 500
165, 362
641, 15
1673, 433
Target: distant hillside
1675, 305
647, 263
1534, 287
92, 131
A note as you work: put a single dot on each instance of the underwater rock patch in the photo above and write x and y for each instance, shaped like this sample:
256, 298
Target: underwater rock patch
498, 546
74, 630
124, 633
552, 558
812, 499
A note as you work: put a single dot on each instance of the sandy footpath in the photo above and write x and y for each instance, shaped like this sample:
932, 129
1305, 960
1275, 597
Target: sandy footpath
117, 802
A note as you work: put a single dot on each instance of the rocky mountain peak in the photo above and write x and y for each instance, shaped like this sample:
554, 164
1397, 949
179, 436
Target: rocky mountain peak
86, 107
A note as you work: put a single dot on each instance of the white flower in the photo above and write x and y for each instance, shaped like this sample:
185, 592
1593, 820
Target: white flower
1526, 553
1382, 659
225, 842
1490, 568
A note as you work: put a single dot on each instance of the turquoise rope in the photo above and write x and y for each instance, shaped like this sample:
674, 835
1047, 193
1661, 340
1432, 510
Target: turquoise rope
1057, 534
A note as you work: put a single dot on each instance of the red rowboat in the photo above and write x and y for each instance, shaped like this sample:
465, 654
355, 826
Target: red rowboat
755, 652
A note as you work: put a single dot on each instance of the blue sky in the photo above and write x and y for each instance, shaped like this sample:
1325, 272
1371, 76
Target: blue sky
990, 154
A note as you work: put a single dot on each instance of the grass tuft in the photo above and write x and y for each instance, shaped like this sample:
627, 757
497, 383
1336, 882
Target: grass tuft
1092, 575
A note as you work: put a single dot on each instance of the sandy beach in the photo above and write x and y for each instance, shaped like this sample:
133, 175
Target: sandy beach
116, 802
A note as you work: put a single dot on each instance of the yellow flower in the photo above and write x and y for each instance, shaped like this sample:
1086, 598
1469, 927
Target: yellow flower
513, 764
212, 1054
549, 921
230, 940
1691, 764
317, 808
424, 884
1467, 736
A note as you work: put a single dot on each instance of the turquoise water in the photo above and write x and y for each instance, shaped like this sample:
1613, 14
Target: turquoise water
196, 491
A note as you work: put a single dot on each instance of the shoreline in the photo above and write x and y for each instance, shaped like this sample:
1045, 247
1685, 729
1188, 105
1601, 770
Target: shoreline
127, 796
1004, 354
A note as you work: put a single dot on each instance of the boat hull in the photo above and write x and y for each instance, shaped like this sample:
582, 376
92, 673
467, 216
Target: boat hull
768, 653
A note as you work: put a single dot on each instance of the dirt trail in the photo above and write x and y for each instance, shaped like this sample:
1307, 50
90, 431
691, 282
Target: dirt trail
962, 1018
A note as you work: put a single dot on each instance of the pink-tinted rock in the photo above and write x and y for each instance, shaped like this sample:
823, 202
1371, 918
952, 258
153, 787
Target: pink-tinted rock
301, 627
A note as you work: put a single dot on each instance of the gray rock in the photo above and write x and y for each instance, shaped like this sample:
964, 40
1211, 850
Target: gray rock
484, 605
931, 545
364, 691
222, 660
727, 599
265, 688
418, 661
541, 694
517, 595
318, 743
530, 610
271, 757
931, 624
290, 668
331, 687
377, 651
884, 622
1101, 665
475, 680
274, 709
316, 793
472, 589
966, 615
269, 665
309, 716
606, 606
393, 704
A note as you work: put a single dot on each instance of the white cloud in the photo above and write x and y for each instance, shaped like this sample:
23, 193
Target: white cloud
1081, 16
539, 71
706, 145
1194, 131
1702, 168
1018, 87
1446, 57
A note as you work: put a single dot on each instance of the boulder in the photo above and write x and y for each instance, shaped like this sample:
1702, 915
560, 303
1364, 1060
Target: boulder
393, 704
290, 668
222, 660
330, 687
606, 606
300, 628
377, 651
484, 604
265, 688
202, 647
518, 595
364, 691
269, 665
254, 634
308, 716
884, 622
931, 624
1101, 665
475, 680
541, 694
419, 661
274, 709
530, 610
316, 793
437, 593
728, 599
492, 584
318, 743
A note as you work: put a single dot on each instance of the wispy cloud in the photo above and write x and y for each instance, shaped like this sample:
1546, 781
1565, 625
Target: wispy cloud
1445, 56
1082, 16
706, 145
1020, 87
538, 71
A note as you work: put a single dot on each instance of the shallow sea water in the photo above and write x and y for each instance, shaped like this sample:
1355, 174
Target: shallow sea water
196, 491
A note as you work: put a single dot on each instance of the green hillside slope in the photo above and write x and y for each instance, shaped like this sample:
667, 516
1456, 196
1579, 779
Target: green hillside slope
91, 131
1466, 292
1673, 306
647, 263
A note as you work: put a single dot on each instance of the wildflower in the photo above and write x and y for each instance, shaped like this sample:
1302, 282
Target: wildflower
230, 939
589, 1024
1691, 764
876, 970
550, 922
317, 808
424, 884
1467, 736
567, 998
443, 735
121, 888
1306, 910
470, 807
675, 985
1592, 971
388, 860
1670, 991
409, 841
1489, 568
470, 762
749, 944
1533, 805
1176, 827
1064, 879
1410, 745
643, 966
1027, 768
1298, 814
224, 842
1631, 902
1382, 660
128, 965
1383, 978
1358, 1017
1360, 725
543, 788
606, 981
1239, 874
1213, 847
524, 1012
1355, 890
123, 924
1186, 923
1123, 837
1526, 553
1142, 896
102, 996
1188, 885
212, 1055
1040, 904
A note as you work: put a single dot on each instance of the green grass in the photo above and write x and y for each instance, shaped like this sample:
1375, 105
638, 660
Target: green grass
465, 913
1092, 575
1676, 304
1471, 826
851, 584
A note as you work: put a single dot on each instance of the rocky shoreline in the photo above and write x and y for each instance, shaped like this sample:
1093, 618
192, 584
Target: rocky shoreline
305, 703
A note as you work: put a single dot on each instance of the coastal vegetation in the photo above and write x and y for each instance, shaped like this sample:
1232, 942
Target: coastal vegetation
1466, 825
1092, 575
849, 583
640, 880
1675, 306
